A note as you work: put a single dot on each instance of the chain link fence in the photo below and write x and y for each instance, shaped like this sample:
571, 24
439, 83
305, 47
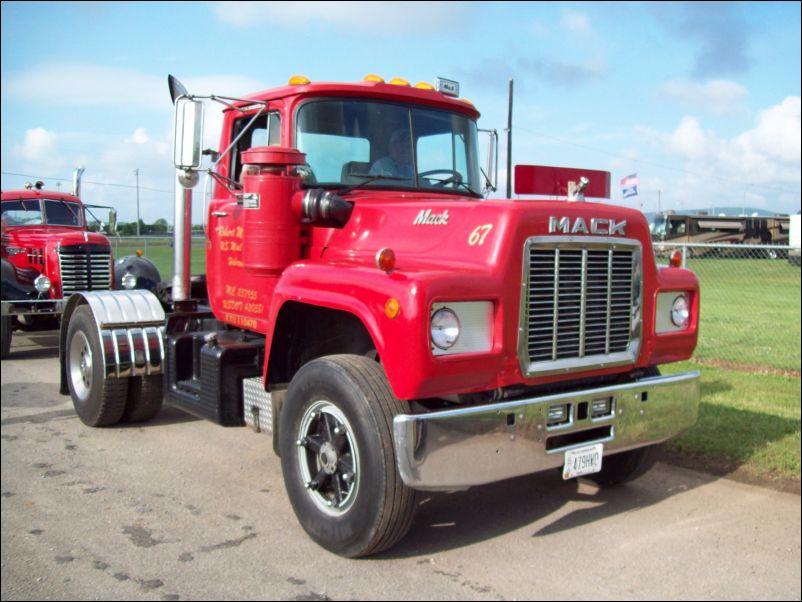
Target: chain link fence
750, 304
159, 249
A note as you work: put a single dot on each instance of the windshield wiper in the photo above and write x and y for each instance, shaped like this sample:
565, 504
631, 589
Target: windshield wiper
460, 183
72, 210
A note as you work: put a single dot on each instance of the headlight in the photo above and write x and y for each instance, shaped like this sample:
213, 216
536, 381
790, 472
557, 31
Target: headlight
673, 312
445, 328
680, 313
129, 281
42, 283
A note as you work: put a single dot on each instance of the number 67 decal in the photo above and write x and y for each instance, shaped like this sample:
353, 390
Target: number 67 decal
478, 236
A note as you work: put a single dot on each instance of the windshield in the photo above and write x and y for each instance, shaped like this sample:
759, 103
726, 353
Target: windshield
658, 226
377, 144
28, 212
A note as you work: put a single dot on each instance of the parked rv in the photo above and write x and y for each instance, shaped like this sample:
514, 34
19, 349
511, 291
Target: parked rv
718, 230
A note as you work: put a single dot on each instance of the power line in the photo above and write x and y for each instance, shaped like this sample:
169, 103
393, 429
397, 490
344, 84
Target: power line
54, 179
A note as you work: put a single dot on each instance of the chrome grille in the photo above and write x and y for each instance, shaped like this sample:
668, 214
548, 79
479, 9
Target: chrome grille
84, 268
36, 256
580, 304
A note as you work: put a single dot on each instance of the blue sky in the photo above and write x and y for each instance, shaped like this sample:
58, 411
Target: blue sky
701, 100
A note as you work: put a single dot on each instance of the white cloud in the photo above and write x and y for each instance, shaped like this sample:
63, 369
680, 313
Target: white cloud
378, 18
715, 96
93, 85
87, 85
762, 162
575, 22
777, 134
688, 140
140, 136
39, 146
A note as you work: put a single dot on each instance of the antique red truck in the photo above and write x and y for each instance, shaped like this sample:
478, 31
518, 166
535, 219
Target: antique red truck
49, 252
391, 328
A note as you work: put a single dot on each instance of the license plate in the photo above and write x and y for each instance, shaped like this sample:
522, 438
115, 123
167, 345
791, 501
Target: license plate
583, 461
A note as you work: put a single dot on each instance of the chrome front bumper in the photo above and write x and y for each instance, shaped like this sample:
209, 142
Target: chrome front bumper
32, 307
456, 449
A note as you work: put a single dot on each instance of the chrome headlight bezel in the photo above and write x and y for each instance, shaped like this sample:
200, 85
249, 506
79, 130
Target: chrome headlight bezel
445, 328
42, 284
129, 281
476, 323
681, 311
673, 312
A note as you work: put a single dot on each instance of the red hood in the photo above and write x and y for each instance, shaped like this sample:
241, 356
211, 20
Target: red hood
468, 234
37, 237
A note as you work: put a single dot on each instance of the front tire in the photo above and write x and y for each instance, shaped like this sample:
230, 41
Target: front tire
626, 466
98, 401
6, 328
338, 459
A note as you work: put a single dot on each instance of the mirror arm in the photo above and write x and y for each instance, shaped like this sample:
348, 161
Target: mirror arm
240, 135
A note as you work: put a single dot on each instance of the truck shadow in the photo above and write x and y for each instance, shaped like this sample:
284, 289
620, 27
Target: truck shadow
537, 502
34, 345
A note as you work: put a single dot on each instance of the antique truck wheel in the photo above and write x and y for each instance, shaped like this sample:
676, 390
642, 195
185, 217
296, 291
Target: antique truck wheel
98, 401
338, 459
5, 332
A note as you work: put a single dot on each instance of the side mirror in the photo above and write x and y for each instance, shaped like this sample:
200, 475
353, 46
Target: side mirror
490, 171
188, 133
113, 222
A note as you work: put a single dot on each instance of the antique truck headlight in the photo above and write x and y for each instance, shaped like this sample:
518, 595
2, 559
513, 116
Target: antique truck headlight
129, 281
445, 328
42, 283
673, 312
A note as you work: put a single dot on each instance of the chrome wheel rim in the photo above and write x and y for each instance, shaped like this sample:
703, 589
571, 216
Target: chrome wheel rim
81, 366
328, 458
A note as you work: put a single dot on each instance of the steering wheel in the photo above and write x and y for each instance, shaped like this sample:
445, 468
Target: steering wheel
455, 176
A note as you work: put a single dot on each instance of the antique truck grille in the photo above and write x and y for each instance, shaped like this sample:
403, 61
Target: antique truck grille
581, 304
84, 268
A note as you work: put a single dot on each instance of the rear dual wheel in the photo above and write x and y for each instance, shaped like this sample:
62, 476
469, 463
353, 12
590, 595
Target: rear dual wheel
101, 401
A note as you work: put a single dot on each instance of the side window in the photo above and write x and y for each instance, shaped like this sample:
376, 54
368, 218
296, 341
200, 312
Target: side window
265, 132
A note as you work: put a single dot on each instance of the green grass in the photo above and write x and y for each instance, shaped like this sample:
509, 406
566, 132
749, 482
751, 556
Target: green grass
160, 252
749, 358
747, 421
750, 312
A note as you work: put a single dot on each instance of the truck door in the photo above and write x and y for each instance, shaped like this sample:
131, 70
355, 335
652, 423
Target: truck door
235, 295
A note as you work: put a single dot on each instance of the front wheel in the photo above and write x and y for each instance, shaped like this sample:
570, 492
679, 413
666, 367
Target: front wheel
6, 329
338, 459
626, 466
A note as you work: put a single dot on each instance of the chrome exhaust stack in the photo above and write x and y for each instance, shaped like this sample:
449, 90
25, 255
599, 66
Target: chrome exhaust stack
187, 160
76, 180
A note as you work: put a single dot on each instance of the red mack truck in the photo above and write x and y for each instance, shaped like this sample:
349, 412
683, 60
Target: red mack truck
391, 329
49, 253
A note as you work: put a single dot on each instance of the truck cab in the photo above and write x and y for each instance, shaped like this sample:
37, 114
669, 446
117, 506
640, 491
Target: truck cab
391, 328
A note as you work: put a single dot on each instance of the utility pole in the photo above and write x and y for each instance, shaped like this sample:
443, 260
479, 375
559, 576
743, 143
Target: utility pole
136, 171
